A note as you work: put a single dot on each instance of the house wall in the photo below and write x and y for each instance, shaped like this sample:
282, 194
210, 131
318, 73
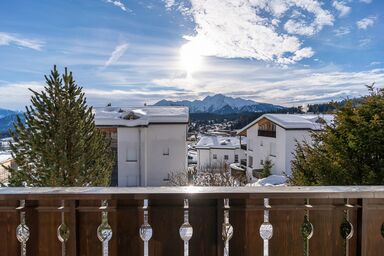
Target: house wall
128, 154
259, 148
205, 156
262, 149
146, 155
292, 137
4, 174
167, 152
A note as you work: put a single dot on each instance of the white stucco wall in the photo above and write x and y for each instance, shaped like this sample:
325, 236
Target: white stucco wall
128, 142
161, 138
205, 156
285, 142
147, 154
261, 149
291, 137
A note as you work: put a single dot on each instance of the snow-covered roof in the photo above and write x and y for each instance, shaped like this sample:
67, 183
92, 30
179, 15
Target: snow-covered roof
5, 156
224, 142
140, 116
295, 121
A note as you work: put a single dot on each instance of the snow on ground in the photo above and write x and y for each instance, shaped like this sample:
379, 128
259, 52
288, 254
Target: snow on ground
5, 156
272, 180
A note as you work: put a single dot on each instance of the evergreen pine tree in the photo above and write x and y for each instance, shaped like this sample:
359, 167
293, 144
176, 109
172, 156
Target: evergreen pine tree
349, 152
59, 144
267, 168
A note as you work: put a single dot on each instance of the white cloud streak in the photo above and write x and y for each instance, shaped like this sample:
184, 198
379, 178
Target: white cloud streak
118, 3
116, 54
12, 39
342, 31
366, 1
366, 22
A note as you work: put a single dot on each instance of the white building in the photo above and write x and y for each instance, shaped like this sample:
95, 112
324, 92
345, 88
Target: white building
275, 136
149, 142
215, 150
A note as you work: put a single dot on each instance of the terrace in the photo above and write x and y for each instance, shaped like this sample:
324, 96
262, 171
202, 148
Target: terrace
192, 221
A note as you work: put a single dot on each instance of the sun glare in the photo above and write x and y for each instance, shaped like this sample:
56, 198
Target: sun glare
190, 59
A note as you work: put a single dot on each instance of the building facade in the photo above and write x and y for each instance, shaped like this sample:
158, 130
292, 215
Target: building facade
214, 151
275, 137
148, 143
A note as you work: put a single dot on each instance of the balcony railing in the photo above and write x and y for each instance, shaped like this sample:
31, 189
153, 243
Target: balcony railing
203, 221
271, 134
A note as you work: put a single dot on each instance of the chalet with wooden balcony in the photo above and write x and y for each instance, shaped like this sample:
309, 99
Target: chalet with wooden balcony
275, 136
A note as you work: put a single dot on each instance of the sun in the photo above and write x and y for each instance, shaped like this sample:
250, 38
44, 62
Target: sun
190, 58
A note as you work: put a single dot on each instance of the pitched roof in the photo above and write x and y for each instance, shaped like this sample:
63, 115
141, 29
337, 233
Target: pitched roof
223, 142
140, 116
295, 121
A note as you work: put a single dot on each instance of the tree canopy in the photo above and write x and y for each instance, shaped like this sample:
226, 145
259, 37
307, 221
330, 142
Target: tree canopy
59, 144
348, 152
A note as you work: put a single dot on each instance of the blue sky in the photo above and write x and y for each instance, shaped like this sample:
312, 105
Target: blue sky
285, 52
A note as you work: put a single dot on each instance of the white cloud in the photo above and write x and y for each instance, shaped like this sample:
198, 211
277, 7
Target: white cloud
118, 3
366, 1
374, 63
16, 95
341, 31
275, 85
252, 29
366, 22
342, 8
116, 54
169, 3
9, 39
365, 42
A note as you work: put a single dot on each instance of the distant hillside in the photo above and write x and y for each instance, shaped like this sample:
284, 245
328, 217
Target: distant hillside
7, 118
223, 105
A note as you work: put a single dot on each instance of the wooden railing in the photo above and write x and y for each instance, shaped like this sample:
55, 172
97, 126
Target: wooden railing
203, 221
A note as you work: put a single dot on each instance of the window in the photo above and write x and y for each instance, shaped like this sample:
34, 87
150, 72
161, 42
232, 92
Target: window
267, 127
226, 157
131, 153
261, 162
272, 149
165, 151
236, 158
214, 156
250, 161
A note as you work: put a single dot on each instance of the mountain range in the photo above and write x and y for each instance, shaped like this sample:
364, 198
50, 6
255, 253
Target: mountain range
221, 104
7, 118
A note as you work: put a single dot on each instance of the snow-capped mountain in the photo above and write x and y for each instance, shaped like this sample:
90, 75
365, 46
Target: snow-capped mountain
7, 118
221, 104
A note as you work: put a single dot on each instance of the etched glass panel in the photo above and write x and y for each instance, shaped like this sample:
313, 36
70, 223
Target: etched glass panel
227, 229
346, 229
306, 228
266, 228
22, 230
186, 230
22, 233
145, 230
104, 231
63, 233
266, 231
